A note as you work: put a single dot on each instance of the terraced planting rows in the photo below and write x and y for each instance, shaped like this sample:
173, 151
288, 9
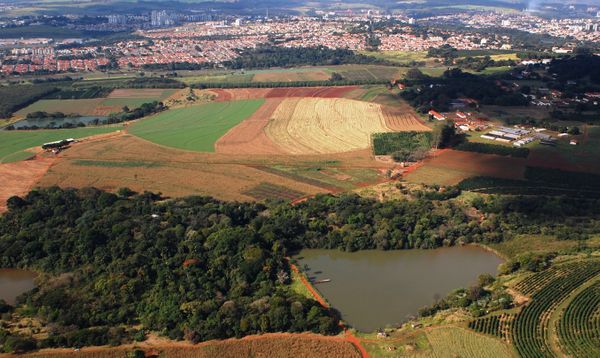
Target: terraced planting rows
458, 342
498, 325
579, 326
530, 332
403, 119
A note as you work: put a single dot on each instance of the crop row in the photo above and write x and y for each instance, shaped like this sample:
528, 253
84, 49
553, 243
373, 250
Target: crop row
539, 280
579, 326
271, 191
530, 328
497, 325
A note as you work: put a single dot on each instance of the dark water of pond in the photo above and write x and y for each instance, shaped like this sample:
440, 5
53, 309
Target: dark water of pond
56, 122
373, 289
14, 282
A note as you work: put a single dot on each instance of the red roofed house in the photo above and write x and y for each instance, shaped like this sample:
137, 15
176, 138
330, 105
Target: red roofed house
437, 115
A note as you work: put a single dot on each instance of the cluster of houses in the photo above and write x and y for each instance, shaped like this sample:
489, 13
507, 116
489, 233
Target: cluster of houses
465, 121
520, 136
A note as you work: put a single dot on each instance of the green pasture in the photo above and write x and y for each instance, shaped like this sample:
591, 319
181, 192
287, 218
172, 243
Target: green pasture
67, 106
13, 143
195, 128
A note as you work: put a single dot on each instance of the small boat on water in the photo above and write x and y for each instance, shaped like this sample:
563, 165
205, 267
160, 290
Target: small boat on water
323, 281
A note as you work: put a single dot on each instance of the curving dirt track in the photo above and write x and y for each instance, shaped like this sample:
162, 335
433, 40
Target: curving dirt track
249, 137
18, 178
403, 119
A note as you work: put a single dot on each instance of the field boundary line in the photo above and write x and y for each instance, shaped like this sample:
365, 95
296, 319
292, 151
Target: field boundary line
348, 334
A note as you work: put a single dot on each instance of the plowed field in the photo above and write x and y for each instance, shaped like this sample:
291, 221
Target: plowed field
233, 94
249, 136
403, 119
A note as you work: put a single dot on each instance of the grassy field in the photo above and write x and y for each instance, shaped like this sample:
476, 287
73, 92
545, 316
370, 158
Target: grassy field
15, 142
195, 128
539, 244
67, 106
218, 78
401, 57
460, 342
439, 342
451, 167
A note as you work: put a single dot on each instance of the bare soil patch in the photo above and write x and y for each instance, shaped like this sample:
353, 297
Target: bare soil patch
249, 136
20, 177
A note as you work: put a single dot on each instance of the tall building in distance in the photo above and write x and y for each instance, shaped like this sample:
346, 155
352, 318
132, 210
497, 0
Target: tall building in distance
161, 18
117, 19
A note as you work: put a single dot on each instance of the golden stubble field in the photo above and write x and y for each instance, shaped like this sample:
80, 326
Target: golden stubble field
320, 125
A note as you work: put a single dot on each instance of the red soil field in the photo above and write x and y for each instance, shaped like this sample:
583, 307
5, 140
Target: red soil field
18, 178
235, 94
403, 119
232, 94
249, 136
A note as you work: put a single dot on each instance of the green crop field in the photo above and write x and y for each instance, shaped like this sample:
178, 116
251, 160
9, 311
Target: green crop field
14, 142
67, 106
195, 128
129, 102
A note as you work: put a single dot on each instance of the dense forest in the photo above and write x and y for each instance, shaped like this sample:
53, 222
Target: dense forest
198, 268
284, 57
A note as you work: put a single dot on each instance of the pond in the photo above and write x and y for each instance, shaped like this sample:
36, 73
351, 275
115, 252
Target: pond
14, 282
373, 289
56, 122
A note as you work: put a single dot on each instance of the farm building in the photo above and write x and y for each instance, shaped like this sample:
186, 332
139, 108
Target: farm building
437, 115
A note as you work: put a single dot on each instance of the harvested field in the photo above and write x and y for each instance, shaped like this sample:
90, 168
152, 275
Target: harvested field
284, 345
249, 136
311, 126
452, 166
196, 127
18, 178
289, 76
67, 106
319, 92
403, 119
